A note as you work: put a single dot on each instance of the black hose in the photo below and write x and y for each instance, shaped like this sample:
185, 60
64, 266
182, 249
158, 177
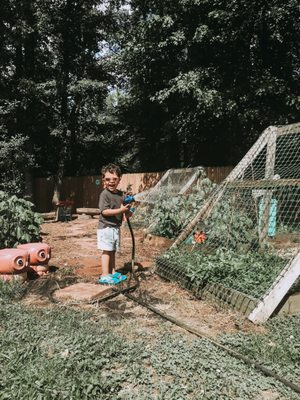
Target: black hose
132, 272
133, 243
181, 324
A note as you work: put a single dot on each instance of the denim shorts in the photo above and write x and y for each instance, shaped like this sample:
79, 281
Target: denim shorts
108, 238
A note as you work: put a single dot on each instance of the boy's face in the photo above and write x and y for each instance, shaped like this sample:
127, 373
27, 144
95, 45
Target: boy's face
111, 181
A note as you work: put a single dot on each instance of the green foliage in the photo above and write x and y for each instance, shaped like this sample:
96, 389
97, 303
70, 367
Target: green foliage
14, 161
199, 81
251, 273
60, 353
172, 214
54, 83
277, 349
231, 255
19, 224
12, 290
230, 226
205, 77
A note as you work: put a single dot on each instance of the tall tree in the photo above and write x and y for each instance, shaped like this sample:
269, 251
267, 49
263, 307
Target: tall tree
54, 81
205, 77
17, 71
78, 84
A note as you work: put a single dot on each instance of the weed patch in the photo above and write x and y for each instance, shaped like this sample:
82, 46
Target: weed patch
11, 290
278, 349
60, 353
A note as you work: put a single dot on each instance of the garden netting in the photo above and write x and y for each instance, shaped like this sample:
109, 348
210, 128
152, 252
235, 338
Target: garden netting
168, 207
246, 233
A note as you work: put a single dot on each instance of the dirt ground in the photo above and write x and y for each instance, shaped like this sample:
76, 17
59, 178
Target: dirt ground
75, 258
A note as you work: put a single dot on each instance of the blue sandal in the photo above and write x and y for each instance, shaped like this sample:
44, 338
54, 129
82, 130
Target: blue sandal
109, 280
119, 276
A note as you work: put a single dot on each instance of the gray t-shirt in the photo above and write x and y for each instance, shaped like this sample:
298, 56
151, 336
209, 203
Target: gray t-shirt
110, 200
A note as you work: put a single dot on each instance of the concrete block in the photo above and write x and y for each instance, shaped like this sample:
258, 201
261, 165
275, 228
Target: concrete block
82, 292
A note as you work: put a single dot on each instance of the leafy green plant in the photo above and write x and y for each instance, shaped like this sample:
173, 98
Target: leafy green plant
278, 348
171, 215
19, 223
231, 227
250, 273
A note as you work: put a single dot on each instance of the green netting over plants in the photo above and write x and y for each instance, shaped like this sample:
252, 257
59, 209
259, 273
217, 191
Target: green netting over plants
167, 208
245, 272
246, 234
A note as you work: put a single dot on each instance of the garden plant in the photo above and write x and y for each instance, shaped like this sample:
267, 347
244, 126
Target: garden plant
19, 223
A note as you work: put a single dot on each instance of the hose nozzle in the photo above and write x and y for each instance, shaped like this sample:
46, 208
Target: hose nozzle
128, 199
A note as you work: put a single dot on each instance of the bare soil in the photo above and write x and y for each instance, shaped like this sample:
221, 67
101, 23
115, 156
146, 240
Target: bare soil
75, 258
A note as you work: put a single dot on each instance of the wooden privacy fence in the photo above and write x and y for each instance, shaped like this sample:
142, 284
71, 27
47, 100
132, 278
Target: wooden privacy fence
85, 190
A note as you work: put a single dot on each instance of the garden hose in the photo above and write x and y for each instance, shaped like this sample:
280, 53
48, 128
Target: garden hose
132, 272
126, 201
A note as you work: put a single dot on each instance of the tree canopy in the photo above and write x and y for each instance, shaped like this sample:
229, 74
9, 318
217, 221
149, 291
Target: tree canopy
206, 77
149, 85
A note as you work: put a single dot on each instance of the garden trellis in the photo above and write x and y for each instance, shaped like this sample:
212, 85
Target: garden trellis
247, 221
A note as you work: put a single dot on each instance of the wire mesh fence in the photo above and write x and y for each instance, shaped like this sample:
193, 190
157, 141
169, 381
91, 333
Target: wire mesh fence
246, 234
167, 208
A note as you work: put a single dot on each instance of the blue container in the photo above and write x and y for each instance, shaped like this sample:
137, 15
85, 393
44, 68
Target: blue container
272, 216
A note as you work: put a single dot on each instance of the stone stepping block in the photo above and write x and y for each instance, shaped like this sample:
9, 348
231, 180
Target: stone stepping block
82, 292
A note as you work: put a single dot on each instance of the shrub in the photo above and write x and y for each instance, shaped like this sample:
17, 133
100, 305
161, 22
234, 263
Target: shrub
19, 223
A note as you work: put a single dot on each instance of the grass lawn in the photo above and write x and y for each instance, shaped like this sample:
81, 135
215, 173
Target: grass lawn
61, 353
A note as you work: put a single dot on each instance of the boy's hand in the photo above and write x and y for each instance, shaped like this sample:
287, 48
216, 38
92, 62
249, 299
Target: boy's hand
124, 209
128, 214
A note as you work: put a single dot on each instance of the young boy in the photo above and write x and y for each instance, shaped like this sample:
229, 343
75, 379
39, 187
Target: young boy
112, 211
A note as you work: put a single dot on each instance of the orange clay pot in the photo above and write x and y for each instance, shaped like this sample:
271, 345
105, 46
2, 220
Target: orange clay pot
13, 261
21, 277
39, 253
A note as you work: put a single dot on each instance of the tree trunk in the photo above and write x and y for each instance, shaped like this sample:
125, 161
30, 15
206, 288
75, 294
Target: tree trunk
62, 86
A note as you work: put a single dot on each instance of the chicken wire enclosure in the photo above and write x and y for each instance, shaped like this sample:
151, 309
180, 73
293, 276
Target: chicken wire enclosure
248, 223
174, 183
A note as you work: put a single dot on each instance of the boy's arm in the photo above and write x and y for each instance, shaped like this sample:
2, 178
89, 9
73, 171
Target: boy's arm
110, 212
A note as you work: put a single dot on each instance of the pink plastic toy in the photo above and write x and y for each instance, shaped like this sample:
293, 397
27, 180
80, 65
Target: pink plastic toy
39, 256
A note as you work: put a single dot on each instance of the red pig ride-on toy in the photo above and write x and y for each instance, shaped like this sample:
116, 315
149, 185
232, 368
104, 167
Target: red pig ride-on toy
14, 264
39, 256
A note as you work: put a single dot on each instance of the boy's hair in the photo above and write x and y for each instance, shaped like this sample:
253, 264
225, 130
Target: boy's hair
112, 168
